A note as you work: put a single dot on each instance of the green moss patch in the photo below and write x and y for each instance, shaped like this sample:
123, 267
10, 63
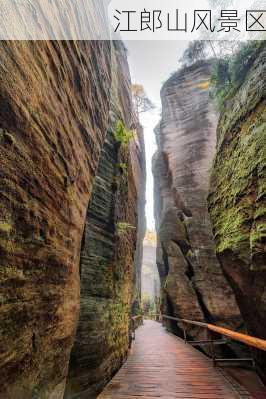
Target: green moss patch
238, 180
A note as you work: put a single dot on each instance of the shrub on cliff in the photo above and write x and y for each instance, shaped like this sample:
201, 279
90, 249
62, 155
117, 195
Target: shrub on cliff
123, 227
196, 51
230, 71
123, 135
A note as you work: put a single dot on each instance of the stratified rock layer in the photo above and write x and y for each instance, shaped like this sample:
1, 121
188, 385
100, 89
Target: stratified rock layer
110, 281
237, 200
137, 155
54, 106
192, 280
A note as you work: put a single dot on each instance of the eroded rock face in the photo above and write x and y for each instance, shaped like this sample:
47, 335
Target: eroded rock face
194, 286
110, 281
53, 122
60, 103
137, 156
237, 200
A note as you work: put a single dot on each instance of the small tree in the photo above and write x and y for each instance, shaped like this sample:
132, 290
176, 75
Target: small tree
148, 304
123, 135
140, 100
230, 72
194, 52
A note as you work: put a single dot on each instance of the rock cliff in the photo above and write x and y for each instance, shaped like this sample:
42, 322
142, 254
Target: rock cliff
53, 120
59, 107
109, 271
193, 285
237, 200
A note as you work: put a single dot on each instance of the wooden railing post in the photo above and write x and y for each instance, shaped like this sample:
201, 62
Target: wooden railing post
212, 348
185, 332
135, 322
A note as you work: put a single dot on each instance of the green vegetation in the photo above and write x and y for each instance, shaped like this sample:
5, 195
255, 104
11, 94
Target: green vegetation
123, 227
194, 52
148, 305
230, 71
122, 168
122, 135
5, 227
121, 175
236, 204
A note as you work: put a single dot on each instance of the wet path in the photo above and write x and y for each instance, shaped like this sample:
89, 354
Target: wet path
163, 366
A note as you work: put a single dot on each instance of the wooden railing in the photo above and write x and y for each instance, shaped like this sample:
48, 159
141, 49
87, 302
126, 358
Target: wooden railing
135, 322
245, 339
240, 337
248, 340
137, 318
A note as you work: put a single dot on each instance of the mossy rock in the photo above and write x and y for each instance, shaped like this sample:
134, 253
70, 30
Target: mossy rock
238, 179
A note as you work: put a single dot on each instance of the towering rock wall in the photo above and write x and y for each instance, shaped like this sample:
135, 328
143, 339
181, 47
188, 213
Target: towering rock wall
59, 105
108, 268
237, 201
139, 172
54, 106
193, 284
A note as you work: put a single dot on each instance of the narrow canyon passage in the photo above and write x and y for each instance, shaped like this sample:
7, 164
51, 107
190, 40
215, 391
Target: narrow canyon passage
84, 147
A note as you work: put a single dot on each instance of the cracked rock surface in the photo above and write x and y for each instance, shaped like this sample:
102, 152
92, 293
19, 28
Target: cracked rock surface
193, 284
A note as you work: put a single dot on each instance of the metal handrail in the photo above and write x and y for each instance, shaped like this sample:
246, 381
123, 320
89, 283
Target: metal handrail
244, 338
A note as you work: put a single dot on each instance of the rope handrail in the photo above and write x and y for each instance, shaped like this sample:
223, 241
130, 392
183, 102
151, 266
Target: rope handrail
240, 337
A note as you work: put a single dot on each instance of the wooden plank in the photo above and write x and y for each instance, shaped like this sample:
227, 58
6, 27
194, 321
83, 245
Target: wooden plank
163, 366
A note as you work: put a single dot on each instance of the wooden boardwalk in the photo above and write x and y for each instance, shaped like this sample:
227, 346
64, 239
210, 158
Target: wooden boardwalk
163, 366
